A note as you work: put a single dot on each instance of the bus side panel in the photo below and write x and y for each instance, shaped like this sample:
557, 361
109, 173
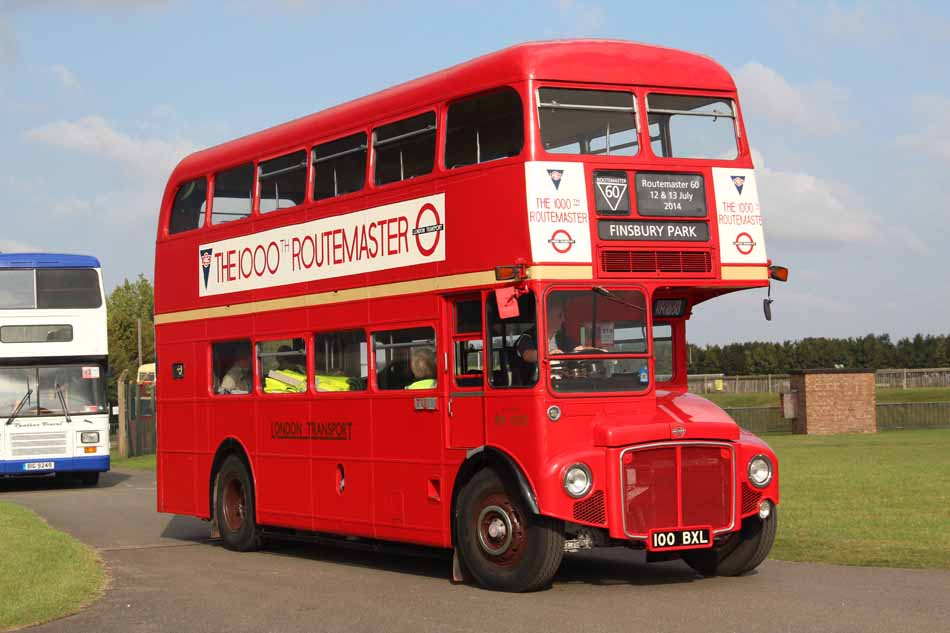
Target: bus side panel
282, 474
342, 470
177, 433
407, 467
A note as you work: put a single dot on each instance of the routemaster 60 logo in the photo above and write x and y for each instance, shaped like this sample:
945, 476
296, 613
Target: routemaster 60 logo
400, 234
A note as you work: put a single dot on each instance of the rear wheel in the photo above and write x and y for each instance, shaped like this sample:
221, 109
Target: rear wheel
500, 543
89, 479
234, 507
741, 553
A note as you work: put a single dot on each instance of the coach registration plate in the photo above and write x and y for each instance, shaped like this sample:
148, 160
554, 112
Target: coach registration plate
680, 538
39, 466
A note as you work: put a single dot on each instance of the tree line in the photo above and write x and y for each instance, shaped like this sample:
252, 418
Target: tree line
133, 300
874, 351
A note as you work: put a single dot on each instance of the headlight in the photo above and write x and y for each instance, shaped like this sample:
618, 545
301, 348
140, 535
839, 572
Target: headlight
578, 480
760, 471
89, 437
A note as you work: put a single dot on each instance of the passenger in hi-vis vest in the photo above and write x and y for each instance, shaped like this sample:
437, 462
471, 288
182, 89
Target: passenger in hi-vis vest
423, 368
288, 377
327, 379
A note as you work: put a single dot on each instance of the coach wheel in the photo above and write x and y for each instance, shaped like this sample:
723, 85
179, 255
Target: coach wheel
234, 507
503, 545
741, 553
89, 479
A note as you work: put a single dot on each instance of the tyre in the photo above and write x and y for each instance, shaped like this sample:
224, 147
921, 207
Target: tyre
89, 479
500, 543
741, 553
234, 508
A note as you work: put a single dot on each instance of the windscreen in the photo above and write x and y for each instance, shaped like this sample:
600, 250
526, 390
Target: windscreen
583, 325
82, 387
692, 126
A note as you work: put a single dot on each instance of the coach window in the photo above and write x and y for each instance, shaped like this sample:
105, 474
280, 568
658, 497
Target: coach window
339, 166
283, 181
233, 193
405, 359
512, 343
484, 128
404, 149
67, 288
692, 127
340, 361
588, 122
231, 367
188, 209
282, 365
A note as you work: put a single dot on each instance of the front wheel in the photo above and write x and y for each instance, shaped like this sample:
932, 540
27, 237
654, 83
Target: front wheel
234, 506
741, 553
502, 545
89, 479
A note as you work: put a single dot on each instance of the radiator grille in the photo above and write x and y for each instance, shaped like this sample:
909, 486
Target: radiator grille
592, 509
750, 499
629, 261
32, 444
677, 485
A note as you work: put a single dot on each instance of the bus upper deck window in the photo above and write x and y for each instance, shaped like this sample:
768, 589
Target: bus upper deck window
188, 209
483, 128
67, 288
339, 166
283, 181
405, 149
233, 192
692, 127
588, 122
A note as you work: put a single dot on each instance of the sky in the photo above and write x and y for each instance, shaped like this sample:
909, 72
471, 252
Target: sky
846, 105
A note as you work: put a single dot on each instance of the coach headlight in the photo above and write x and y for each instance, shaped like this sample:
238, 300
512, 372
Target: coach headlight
89, 437
578, 480
760, 471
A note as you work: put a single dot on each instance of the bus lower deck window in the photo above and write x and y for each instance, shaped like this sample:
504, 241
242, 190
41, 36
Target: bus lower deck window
282, 365
340, 361
405, 359
231, 367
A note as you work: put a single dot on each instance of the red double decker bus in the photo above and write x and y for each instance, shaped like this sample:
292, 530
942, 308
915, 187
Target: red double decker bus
453, 313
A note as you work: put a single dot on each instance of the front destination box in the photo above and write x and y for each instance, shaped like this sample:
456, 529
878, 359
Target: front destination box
653, 231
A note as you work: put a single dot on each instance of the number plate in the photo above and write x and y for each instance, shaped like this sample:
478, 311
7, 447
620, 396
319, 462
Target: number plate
680, 538
39, 466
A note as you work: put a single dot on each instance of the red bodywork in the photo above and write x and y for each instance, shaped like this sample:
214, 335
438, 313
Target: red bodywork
688, 458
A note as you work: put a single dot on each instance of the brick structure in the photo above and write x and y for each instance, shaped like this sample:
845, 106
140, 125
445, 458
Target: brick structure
835, 401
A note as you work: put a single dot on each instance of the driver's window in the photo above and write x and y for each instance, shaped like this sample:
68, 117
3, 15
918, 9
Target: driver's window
467, 343
512, 343
663, 351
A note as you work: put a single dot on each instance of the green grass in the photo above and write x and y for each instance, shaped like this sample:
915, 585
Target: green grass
44, 574
879, 499
142, 462
930, 394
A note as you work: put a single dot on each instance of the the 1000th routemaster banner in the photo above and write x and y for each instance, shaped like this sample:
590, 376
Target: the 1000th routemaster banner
741, 240
400, 234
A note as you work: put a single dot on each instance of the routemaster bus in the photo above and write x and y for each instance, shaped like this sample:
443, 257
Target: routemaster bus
54, 417
453, 313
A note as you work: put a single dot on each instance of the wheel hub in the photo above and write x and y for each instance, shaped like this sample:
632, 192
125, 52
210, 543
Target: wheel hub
495, 530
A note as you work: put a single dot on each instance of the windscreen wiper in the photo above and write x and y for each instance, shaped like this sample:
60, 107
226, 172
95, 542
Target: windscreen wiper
609, 295
62, 402
23, 400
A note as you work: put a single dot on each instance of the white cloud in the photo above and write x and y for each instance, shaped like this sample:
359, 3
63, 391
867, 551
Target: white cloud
813, 108
876, 24
17, 246
933, 139
66, 77
581, 19
139, 158
803, 208
145, 164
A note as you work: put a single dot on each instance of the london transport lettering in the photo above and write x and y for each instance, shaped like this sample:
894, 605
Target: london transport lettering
557, 212
741, 239
312, 431
400, 234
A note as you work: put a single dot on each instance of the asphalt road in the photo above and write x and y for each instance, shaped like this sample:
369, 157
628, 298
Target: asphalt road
168, 576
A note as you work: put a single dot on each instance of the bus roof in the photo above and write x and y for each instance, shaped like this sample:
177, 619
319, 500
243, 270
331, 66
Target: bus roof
47, 260
593, 61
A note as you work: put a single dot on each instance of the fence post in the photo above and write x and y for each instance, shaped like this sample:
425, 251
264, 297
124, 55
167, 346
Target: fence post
904, 383
123, 439
770, 383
